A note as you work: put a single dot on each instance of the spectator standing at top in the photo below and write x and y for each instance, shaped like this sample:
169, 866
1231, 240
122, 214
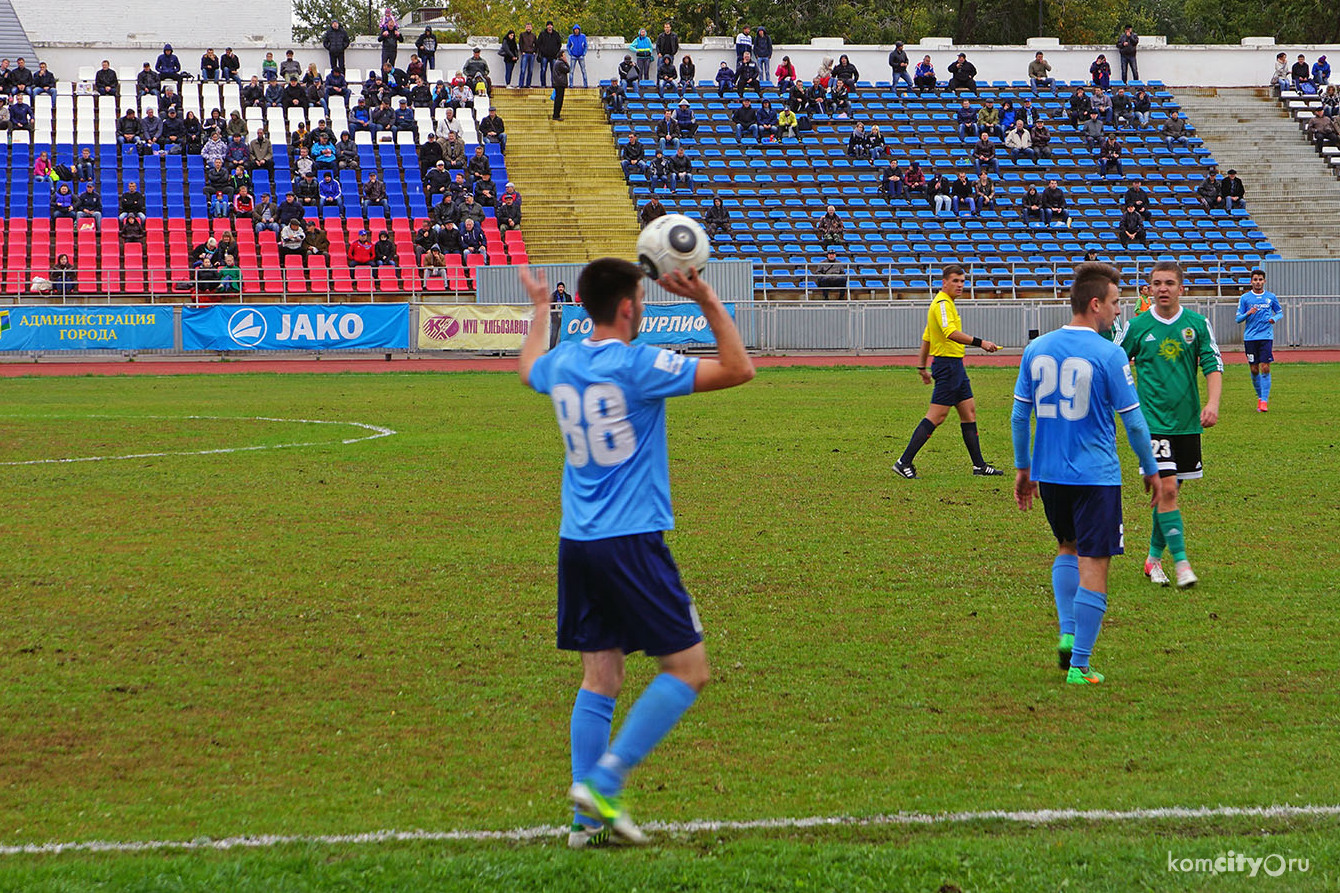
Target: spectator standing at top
763, 53
426, 44
744, 43
389, 36
561, 69
336, 40
577, 52
510, 51
644, 50
1126, 45
898, 63
667, 42
547, 46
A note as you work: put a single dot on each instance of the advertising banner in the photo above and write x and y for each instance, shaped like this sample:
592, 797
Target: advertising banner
86, 328
296, 327
662, 324
473, 326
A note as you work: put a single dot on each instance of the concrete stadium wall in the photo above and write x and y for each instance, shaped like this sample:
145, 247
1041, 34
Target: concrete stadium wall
1208, 66
154, 21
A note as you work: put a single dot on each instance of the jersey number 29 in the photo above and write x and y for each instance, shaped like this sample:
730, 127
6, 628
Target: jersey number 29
1073, 380
594, 424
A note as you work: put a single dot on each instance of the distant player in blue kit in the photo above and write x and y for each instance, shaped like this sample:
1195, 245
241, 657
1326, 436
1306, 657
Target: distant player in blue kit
1260, 310
1075, 382
618, 588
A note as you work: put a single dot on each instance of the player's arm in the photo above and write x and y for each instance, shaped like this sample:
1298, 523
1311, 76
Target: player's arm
969, 341
732, 365
1137, 433
923, 358
1024, 487
537, 337
1214, 385
1243, 310
1276, 311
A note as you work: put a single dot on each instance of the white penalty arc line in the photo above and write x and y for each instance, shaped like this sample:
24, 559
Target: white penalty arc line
1024, 817
377, 431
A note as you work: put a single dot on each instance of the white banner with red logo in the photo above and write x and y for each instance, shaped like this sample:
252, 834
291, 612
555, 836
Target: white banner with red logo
473, 326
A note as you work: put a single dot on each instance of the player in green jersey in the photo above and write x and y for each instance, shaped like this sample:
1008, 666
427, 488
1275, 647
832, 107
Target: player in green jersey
1165, 346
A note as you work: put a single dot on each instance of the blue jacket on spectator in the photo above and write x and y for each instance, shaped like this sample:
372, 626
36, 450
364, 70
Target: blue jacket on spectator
330, 189
167, 63
725, 77
577, 45
1321, 71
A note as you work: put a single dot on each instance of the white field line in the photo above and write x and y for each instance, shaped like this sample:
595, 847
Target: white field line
377, 431
1024, 817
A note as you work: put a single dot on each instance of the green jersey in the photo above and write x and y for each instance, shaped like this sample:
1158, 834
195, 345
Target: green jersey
1164, 355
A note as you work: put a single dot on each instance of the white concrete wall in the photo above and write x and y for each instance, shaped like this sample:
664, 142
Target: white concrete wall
1211, 66
155, 21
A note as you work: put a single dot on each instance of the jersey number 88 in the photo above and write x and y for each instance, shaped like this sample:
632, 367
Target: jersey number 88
594, 424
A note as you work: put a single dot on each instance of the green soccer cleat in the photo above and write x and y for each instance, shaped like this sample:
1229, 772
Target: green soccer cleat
582, 836
591, 802
1084, 676
1063, 649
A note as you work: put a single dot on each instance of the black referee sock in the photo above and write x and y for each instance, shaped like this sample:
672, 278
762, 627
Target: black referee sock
972, 443
919, 437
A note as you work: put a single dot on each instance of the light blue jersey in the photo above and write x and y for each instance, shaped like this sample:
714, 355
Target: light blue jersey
610, 401
1268, 310
1075, 381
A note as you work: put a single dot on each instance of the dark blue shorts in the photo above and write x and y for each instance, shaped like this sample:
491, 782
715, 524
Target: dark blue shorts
1088, 515
623, 592
1262, 351
951, 381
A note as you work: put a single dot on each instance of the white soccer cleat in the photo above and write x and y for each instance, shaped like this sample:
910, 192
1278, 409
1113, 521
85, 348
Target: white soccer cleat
1186, 577
609, 809
1154, 571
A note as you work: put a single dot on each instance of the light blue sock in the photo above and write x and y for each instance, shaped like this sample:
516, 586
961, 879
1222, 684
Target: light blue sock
1265, 386
592, 715
1065, 580
650, 720
1256, 385
1089, 609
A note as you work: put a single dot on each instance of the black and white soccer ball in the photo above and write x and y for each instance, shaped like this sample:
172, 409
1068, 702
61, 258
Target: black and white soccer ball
673, 242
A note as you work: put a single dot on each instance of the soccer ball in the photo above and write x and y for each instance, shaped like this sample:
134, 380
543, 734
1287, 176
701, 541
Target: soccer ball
673, 242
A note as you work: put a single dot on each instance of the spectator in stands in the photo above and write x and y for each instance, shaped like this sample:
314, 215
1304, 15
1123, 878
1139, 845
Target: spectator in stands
203, 252
236, 155
786, 75
437, 181
684, 117
681, 170
346, 152
493, 130
261, 152
168, 66
666, 75
105, 81
5, 124
915, 179
384, 253
215, 149
217, 179
336, 87
230, 276
744, 43
1028, 113
425, 240
846, 72
839, 100
472, 240
744, 121
830, 275
21, 78
891, 183
449, 124
962, 74
1019, 143
747, 76
548, 44
1175, 131
961, 193
209, 66
966, 119
632, 157
42, 169
1007, 116
576, 48
725, 78
471, 210
1137, 197
509, 189
1321, 128
829, 227
1132, 228
983, 194
253, 94
924, 77
383, 118
988, 120
307, 190
404, 121
1142, 108
217, 204
1208, 193
650, 211
274, 95
294, 95
1279, 79
20, 114
131, 230
1078, 108
1232, 191
528, 44
236, 127
290, 68
798, 100
1126, 49
687, 73
477, 165
89, 204
1123, 114
265, 215
1109, 157
85, 167
1031, 205
172, 136
984, 155
332, 196
1093, 130
658, 171
1321, 72
878, 148
44, 82
1101, 103
433, 263
169, 99
372, 191
767, 123
507, 212
290, 209
787, 124
64, 280
269, 68
716, 219
243, 203
1039, 73
1054, 205
1330, 101
1301, 74
476, 70
229, 65
291, 238
360, 118
453, 152
1101, 72
762, 52
240, 177
898, 62
667, 131
426, 44
131, 204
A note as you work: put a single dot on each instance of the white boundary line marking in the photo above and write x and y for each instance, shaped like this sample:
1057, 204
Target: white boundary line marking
377, 431
1024, 817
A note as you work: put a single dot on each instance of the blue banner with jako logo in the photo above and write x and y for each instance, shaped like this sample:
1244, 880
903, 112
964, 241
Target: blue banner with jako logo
86, 328
296, 327
661, 324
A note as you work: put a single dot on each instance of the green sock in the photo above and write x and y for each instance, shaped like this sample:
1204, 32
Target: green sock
1171, 522
1156, 540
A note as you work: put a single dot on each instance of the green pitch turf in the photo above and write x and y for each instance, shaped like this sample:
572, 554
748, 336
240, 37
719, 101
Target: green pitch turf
334, 639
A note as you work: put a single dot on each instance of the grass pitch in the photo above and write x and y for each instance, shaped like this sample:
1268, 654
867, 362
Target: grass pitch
333, 639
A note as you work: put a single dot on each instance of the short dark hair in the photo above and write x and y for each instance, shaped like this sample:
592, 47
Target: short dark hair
953, 270
1259, 272
1091, 281
1165, 266
604, 283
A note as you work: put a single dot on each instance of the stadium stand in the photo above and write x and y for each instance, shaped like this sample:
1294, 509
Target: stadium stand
173, 186
774, 192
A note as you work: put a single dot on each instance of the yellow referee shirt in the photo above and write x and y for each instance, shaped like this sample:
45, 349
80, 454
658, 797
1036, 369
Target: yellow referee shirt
941, 321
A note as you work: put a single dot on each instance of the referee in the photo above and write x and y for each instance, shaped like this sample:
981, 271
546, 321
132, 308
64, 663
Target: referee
945, 340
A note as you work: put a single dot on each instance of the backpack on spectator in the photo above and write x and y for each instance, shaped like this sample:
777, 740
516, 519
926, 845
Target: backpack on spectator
1307, 88
65, 172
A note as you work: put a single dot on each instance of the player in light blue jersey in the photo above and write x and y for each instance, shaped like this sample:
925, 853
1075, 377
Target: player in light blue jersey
618, 588
1260, 310
1075, 382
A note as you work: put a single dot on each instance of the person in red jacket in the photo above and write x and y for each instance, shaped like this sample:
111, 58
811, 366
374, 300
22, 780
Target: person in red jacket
362, 252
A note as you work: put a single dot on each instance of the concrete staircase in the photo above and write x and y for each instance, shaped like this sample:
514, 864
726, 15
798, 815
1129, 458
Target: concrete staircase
576, 205
1290, 193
